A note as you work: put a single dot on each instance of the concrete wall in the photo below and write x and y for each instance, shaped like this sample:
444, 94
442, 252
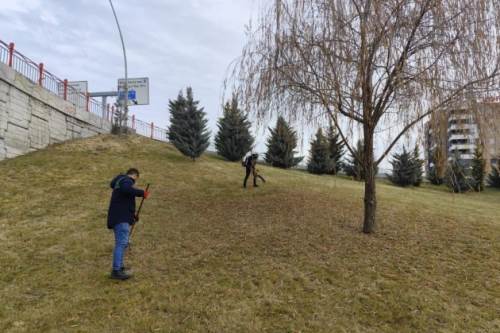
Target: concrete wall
31, 117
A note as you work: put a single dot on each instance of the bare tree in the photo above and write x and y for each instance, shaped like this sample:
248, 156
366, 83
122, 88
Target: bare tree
375, 65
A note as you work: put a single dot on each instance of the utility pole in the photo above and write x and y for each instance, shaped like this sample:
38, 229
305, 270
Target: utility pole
123, 115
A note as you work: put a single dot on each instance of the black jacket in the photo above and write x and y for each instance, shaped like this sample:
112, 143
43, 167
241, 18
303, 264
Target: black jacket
249, 162
122, 204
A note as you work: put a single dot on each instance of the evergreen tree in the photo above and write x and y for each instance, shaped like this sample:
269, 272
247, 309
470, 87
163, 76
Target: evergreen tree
320, 161
336, 146
433, 177
494, 176
478, 169
403, 170
354, 167
417, 165
233, 140
457, 178
281, 144
188, 126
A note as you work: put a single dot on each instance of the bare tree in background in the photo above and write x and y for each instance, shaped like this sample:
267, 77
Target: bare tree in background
377, 64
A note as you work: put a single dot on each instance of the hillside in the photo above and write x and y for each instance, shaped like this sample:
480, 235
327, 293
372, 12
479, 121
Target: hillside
209, 256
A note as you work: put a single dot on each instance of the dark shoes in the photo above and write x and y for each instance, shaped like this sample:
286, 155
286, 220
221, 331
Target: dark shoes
119, 275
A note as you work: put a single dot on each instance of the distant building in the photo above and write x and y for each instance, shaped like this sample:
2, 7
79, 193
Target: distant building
457, 132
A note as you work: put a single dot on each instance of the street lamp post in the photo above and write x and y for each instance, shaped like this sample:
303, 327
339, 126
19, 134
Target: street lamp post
122, 117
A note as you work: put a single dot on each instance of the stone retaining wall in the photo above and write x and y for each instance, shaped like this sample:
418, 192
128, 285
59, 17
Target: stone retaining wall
31, 117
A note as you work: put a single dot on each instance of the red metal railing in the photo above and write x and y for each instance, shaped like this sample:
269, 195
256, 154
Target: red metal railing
38, 74
147, 129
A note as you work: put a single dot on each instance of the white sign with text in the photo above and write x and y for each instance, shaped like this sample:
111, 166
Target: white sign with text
138, 90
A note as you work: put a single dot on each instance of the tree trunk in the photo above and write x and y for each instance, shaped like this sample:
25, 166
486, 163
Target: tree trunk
370, 193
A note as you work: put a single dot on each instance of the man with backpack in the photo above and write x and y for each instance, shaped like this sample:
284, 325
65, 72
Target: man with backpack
121, 215
249, 163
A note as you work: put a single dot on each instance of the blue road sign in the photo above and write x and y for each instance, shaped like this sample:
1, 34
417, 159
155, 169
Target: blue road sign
131, 95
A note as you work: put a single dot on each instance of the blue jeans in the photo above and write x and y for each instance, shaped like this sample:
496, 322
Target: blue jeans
121, 242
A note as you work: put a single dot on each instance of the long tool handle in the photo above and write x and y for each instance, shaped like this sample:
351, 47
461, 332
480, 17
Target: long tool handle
137, 214
142, 201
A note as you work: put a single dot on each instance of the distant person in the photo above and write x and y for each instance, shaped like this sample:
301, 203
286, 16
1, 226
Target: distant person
249, 164
121, 216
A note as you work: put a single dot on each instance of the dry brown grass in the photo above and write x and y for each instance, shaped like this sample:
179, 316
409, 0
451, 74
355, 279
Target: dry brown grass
209, 256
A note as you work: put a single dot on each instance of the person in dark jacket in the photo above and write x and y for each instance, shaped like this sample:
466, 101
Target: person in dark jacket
250, 163
121, 215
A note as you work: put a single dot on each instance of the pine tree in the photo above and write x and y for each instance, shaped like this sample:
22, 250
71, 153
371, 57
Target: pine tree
281, 144
403, 170
478, 169
188, 126
233, 140
417, 165
336, 147
320, 161
354, 167
457, 178
494, 176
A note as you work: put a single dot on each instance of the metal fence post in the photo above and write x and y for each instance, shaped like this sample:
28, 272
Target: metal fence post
88, 101
11, 54
133, 121
40, 74
152, 129
65, 89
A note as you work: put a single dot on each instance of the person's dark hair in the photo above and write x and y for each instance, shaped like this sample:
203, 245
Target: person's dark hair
133, 171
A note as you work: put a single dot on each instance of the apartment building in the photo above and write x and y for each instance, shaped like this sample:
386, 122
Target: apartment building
456, 133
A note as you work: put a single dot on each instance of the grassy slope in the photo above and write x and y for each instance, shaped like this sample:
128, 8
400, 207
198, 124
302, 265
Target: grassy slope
211, 257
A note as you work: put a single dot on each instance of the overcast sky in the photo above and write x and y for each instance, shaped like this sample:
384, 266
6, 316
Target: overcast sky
176, 43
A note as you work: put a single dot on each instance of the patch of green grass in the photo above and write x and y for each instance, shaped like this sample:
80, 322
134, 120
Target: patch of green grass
209, 256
